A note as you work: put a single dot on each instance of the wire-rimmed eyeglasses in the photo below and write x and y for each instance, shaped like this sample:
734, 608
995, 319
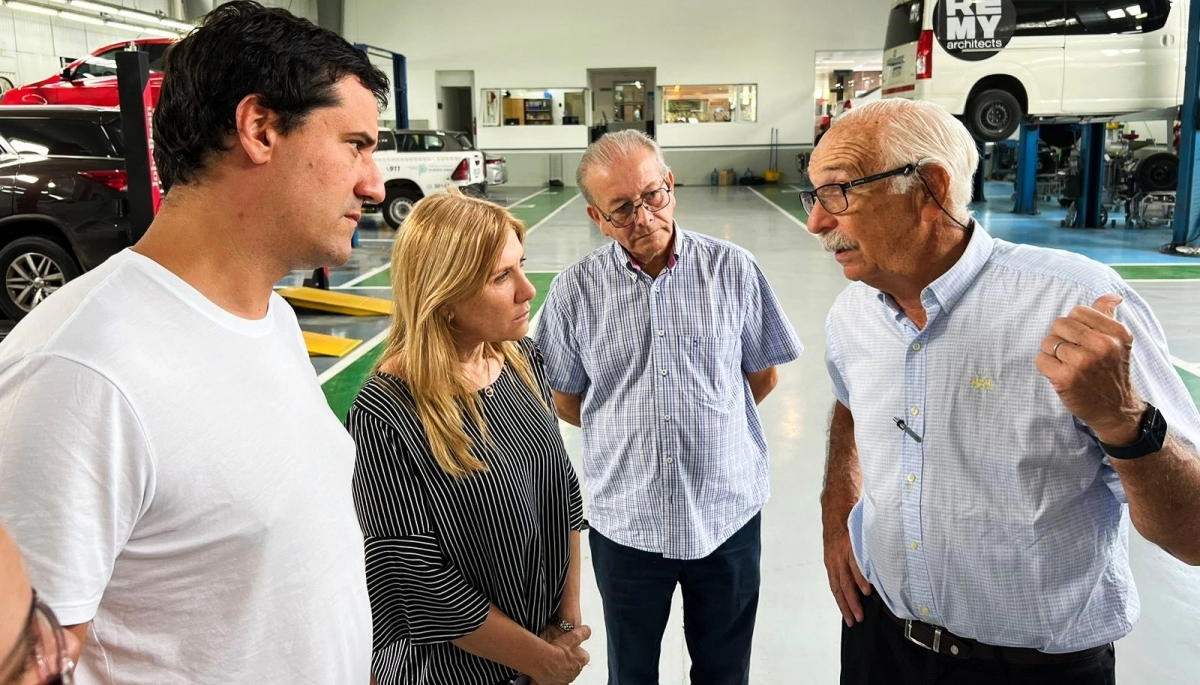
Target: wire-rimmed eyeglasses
833, 197
40, 657
626, 214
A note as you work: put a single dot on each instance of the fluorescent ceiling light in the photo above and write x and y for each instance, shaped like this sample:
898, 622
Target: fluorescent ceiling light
82, 18
140, 16
127, 27
1134, 10
181, 25
34, 9
94, 6
165, 33
1116, 14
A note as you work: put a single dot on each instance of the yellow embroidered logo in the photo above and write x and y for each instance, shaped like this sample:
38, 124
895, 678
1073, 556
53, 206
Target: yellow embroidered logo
981, 383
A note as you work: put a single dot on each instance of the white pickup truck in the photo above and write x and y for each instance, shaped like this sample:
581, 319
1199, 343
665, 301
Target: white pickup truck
410, 176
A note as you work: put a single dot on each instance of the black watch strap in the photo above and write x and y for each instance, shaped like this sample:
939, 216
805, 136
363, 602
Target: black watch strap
1152, 433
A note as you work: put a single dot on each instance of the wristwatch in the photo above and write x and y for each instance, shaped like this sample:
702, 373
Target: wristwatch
1152, 433
563, 624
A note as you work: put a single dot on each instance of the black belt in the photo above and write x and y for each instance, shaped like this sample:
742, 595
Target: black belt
942, 641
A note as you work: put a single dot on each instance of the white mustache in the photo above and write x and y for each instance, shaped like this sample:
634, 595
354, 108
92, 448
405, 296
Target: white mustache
833, 241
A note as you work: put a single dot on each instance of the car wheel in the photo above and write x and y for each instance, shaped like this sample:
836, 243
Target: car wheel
399, 204
33, 268
993, 115
1159, 171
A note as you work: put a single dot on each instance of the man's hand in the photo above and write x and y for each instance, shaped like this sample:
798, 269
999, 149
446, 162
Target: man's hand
1086, 358
845, 578
568, 660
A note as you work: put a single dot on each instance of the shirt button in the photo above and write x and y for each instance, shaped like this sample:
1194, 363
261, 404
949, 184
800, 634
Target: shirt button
656, 288
670, 460
912, 477
924, 611
664, 372
666, 417
916, 347
661, 333
914, 545
915, 411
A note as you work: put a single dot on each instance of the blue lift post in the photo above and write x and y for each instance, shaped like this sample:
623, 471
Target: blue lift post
1091, 180
399, 80
1027, 149
1187, 199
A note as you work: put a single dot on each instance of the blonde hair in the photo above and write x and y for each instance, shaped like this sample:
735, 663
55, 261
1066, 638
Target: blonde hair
443, 257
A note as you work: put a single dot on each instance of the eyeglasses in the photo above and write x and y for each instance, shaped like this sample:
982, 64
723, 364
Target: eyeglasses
40, 658
625, 215
833, 197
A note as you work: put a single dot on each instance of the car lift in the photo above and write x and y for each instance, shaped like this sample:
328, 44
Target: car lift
1187, 197
1187, 214
399, 79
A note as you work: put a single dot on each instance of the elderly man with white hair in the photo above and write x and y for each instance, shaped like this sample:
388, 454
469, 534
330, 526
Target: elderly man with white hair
999, 420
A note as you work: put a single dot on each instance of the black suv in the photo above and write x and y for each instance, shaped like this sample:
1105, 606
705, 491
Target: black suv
63, 206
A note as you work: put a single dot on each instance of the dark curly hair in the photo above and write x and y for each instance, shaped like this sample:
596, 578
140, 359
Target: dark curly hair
241, 49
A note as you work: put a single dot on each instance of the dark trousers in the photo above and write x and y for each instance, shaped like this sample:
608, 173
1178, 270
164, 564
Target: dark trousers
720, 602
875, 652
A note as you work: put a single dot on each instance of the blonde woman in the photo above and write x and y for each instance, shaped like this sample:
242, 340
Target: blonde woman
470, 507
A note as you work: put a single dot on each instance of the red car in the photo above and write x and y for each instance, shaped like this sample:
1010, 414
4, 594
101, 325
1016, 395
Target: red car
91, 80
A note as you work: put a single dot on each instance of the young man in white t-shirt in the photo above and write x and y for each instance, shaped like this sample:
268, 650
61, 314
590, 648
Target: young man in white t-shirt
179, 487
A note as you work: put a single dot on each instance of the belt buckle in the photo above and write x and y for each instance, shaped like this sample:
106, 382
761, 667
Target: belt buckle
937, 637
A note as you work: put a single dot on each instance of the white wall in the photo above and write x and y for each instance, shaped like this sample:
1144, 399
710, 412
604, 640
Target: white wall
535, 44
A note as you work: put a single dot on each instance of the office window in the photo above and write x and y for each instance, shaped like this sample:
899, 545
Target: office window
710, 104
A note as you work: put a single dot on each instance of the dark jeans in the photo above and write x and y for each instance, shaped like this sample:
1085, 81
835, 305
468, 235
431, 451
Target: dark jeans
720, 602
875, 652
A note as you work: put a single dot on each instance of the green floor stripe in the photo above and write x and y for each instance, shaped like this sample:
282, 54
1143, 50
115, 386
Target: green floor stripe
1192, 381
541, 281
1158, 271
787, 198
383, 279
530, 212
541, 206
341, 390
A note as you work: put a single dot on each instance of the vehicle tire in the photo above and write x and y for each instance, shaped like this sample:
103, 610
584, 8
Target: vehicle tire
33, 267
993, 115
1159, 171
398, 204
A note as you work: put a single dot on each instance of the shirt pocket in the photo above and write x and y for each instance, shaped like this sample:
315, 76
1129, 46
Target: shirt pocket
710, 372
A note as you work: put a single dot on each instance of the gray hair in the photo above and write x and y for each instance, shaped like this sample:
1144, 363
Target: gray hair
613, 147
922, 133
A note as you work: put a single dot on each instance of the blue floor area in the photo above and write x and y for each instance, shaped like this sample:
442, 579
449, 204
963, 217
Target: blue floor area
1118, 245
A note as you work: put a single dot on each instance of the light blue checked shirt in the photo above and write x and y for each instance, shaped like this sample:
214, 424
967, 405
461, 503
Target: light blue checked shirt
674, 453
1006, 524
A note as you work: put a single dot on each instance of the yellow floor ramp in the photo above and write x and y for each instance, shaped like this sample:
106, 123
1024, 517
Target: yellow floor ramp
321, 345
335, 302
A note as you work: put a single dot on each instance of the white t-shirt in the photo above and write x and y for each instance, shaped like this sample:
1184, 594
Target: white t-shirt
173, 474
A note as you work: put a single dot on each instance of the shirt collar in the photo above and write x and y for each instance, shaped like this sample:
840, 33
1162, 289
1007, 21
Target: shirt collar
678, 239
949, 288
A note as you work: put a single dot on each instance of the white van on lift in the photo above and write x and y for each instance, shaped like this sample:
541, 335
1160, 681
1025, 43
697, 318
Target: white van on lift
410, 176
993, 62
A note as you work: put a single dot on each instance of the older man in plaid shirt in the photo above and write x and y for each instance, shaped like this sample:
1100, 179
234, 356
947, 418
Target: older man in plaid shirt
660, 345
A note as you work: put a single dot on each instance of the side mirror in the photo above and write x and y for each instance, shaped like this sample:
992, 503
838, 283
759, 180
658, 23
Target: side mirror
67, 75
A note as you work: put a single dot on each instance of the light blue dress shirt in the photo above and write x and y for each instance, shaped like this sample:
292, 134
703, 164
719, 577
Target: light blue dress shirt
1005, 523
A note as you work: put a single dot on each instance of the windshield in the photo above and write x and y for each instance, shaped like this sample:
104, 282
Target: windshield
904, 24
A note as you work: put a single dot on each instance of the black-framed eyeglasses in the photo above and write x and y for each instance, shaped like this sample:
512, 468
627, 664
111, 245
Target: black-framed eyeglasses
40, 657
625, 215
833, 197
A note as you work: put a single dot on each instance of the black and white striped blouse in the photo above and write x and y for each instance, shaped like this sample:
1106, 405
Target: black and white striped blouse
440, 548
